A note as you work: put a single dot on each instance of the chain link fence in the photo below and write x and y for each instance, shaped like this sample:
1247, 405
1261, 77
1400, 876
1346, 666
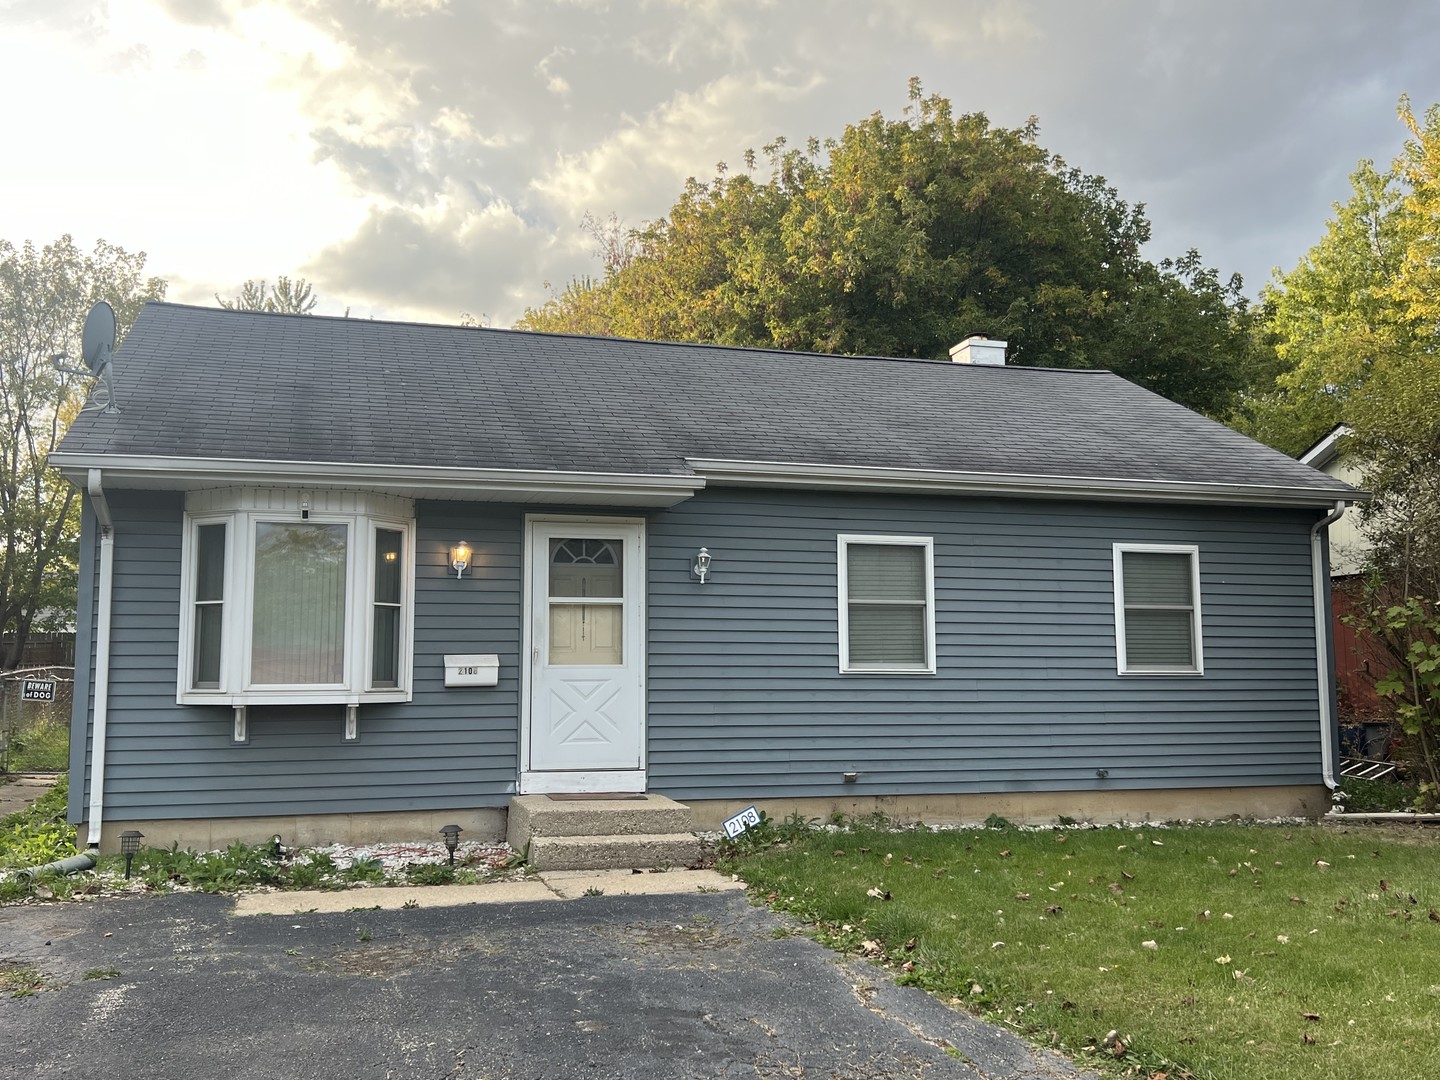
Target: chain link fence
35, 719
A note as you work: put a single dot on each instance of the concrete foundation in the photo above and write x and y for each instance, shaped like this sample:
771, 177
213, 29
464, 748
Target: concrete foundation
208, 834
1043, 807
534, 816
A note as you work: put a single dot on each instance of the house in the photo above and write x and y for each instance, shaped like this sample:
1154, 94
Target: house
1359, 659
355, 579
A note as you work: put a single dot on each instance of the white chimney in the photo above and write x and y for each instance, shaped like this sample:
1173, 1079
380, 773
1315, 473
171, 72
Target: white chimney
978, 349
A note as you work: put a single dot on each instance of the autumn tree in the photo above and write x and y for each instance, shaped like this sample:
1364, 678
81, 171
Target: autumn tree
45, 295
288, 296
901, 238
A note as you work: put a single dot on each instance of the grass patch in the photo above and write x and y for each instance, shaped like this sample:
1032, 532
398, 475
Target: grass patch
1218, 952
1379, 796
18, 981
42, 746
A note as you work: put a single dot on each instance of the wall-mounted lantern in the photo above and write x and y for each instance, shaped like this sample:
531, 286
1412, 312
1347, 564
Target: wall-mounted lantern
460, 557
702, 565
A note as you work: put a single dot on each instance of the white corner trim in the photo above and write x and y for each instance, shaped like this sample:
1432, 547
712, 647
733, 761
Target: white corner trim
784, 474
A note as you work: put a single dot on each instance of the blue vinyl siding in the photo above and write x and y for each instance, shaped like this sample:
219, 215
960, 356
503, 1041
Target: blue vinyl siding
745, 699
446, 749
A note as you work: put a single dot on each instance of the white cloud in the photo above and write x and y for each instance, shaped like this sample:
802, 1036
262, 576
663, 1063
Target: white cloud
637, 171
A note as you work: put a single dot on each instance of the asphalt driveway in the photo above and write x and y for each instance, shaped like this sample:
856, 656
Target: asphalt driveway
690, 985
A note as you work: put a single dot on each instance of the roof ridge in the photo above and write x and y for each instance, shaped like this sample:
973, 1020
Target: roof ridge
509, 330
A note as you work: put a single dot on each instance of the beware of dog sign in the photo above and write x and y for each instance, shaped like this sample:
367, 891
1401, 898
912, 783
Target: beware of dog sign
38, 690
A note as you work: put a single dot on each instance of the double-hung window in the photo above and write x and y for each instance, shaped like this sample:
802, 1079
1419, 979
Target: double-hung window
1157, 609
887, 604
289, 602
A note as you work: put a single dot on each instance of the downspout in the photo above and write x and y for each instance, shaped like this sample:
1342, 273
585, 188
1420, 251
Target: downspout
100, 706
1324, 676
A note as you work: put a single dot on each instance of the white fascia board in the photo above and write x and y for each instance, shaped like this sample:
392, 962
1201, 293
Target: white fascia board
1327, 449
485, 485
942, 482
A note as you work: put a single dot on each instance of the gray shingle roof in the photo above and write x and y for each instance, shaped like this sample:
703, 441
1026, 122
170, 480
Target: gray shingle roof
208, 383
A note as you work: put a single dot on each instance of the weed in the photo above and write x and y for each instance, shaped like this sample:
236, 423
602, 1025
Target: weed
43, 745
38, 834
366, 869
292, 951
593, 891
410, 905
430, 874
102, 973
22, 982
364, 934
1379, 796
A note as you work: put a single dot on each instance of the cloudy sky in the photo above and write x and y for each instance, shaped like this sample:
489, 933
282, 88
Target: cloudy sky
423, 158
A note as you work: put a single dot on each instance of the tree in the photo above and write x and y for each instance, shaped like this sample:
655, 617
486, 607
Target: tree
44, 298
901, 238
287, 297
1335, 318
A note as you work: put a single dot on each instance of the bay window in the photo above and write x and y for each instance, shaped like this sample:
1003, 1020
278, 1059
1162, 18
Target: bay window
293, 598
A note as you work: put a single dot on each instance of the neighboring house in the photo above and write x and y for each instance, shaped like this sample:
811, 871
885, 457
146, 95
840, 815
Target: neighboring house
1359, 659
345, 578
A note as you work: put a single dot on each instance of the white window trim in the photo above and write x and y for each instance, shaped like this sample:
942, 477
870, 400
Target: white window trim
842, 542
1122, 664
238, 601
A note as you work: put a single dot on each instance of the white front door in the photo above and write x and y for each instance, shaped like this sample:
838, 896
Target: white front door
585, 728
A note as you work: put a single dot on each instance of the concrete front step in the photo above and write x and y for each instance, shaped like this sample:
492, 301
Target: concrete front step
540, 815
600, 833
639, 851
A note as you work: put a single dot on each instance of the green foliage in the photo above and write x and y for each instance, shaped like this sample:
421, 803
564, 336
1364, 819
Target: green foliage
287, 296
431, 874
1378, 796
903, 237
1208, 949
38, 834
41, 745
45, 295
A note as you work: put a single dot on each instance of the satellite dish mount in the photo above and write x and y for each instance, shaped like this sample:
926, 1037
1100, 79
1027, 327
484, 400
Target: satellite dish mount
97, 349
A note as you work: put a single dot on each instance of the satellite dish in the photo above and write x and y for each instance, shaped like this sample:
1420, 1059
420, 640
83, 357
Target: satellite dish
97, 345
97, 340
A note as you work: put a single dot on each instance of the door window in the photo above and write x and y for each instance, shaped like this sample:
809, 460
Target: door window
586, 602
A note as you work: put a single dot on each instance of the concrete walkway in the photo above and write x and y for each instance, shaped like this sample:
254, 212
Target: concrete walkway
548, 885
19, 790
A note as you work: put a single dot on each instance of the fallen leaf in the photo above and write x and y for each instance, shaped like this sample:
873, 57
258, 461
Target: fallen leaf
1234, 872
1149, 945
1227, 915
1055, 909
1022, 896
1158, 843
1434, 915
910, 945
908, 965
1240, 976
1314, 1017
889, 855
1222, 959
1005, 854
1298, 900
976, 988
1283, 939
878, 893
870, 947
1322, 864
1127, 875
1202, 916
997, 945
1384, 885
838, 852
1307, 1038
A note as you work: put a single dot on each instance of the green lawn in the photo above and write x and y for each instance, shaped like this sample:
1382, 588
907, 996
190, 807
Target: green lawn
1234, 952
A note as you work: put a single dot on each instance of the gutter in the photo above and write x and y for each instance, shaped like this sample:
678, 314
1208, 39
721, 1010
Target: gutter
1324, 678
785, 474
99, 708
